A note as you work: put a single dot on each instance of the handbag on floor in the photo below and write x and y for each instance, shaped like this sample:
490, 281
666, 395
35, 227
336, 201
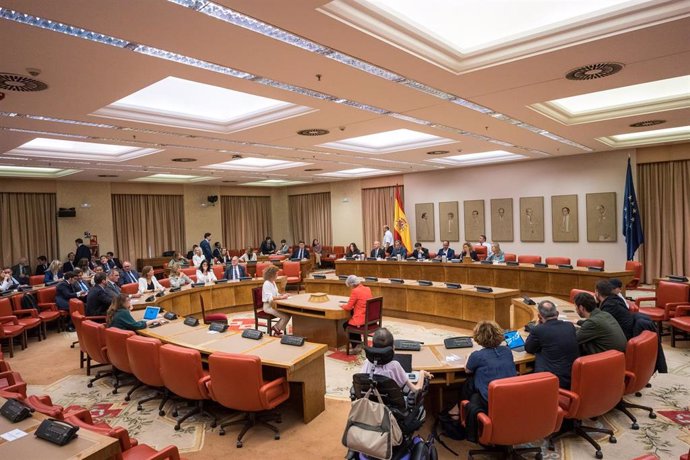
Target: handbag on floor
371, 427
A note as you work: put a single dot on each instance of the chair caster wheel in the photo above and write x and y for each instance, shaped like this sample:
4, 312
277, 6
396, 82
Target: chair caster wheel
239, 444
539, 456
599, 454
140, 408
635, 426
214, 424
127, 398
161, 413
552, 447
221, 432
276, 437
652, 415
613, 440
638, 394
115, 391
89, 385
174, 414
177, 427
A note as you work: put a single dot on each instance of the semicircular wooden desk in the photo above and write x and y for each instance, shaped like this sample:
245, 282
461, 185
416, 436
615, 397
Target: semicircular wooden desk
303, 366
527, 278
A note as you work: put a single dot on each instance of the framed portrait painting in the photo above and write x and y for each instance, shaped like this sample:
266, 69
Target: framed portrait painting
449, 221
474, 220
424, 221
564, 218
502, 220
532, 219
601, 217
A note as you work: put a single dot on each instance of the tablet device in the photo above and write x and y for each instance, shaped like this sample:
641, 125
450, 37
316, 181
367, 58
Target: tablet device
514, 340
151, 313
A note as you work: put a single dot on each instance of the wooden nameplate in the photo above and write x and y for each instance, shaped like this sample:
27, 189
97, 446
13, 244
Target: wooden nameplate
318, 297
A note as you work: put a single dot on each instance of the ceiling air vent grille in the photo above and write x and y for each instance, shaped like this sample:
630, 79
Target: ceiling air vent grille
20, 83
594, 71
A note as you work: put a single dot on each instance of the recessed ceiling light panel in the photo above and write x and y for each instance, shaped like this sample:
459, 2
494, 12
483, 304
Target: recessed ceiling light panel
656, 136
34, 171
274, 183
389, 141
357, 172
257, 164
76, 150
174, 178
471, 159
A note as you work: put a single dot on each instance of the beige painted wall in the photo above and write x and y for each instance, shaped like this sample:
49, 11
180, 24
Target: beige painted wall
199, 216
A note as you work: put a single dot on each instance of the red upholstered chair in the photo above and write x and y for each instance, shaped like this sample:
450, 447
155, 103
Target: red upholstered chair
219, 271
129, 288
668, 296
527, 259
116, 344
189, 271
338, 252
9, 329
574, 292
277, 257
144, 360
432, 255
636, 268
481, 251
85, 421
373, 322
259, 313
165, 282
510, 257
236, 382
26, 317
12, 382
650, 457
680, 324
213, 317
508, 396
293, 271
77, 319
599, 263
596, 387
47, 308
35, 280
183, 374
557, 260
632, 306
260, 267
44, 405
640, 364
93, 343
146, 452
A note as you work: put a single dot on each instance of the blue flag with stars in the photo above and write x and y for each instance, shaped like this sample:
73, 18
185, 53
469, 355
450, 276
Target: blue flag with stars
632, 224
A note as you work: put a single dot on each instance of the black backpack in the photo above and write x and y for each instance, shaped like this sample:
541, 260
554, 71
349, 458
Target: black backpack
29, 301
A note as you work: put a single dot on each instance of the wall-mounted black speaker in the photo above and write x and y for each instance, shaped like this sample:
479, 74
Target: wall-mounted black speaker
212, 199
67, 212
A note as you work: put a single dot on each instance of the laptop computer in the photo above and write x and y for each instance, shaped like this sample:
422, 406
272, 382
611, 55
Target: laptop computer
151, 313
514, 340
405, 361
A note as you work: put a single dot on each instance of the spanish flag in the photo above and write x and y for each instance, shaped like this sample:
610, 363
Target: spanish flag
401, 227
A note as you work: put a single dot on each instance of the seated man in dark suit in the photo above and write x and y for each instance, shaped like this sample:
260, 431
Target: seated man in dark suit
128, 274
446, 251
377, 251
22, 271
103, 262
554, 343
399, 250
420, 252
615, 306
113, 261
111, 286
300, 252
65, 290
267, 246
69, 264
600, 331
234, 271
99, 299
42, 265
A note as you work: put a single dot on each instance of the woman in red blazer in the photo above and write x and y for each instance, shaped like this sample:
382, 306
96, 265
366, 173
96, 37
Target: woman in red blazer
358, 304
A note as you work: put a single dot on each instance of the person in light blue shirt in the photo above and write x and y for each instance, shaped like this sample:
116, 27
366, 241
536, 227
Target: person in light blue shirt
496, 255
399, 250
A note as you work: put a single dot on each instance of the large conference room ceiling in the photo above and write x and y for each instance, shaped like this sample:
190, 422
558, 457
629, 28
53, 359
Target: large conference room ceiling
125, 88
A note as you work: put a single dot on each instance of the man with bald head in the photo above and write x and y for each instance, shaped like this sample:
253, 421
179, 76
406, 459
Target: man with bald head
235, 271
554, 343
377, 251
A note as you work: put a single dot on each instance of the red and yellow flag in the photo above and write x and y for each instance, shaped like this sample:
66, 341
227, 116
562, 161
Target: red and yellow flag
401, 225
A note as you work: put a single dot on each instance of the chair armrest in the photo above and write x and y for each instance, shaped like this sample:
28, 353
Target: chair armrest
264, 390
485, 428
560, 415
26, 311
167, 453
645, 299
9, 319
463, 411
573, 402
98, 319
203, 388
683, 310
44, 405
48, 306
629, 378
673, 305
15, 384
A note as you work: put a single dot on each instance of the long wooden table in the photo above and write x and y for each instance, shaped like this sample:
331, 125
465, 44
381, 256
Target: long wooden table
317, 321
303, 366
88, 445
527, 278
437, 304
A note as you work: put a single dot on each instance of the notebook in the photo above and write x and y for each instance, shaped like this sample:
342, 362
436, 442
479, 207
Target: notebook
405, 361
514, 340
151, 313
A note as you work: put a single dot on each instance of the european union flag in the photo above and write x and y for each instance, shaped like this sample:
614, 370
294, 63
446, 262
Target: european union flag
632, 224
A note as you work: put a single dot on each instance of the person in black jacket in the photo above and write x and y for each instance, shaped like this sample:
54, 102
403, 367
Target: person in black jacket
99, 299
83, 252
42, 265
66, 290
554, 343
615, 306
420, 252
377, 251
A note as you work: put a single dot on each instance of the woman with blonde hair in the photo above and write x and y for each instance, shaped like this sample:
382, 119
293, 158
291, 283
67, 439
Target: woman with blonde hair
148, 282
269, 295
178, 278
198, 257
118, 315
249, 255
54, 272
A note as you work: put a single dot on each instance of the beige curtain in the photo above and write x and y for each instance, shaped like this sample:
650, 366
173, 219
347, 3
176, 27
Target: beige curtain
664, 199
378, 209
28, 227
310, 217
246, 220
147, 225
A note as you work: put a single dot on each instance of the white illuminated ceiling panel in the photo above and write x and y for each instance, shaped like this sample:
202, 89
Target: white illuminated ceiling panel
357, 172
77, 150
274, 183
36, 172
257, 164
656, 136
475, 159
388, 141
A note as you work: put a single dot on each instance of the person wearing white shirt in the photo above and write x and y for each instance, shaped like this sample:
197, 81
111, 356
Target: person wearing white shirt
204, 274
148, 282
248, 256
483, 242
269, 294
198, 257
387, 236
7, 279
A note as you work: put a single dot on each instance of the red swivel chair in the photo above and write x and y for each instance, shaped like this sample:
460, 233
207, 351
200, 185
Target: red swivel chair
259, 313
680, 324
668, 296
144, 360
212, 317
85, 421
35, 280
116, 344
599, 263
93, 342
77, 319
130, 288
146, 452
527, 259
293, 271
510, 257
596, 387
11, 381
165, 282
640, 364
46, 304
636, 268
481, 251
44, 405
574, 292
557, 260
25, 317
189, 271
236, 382
260, 267
183, 374
509, 396
219, 271
9, 329
373, 322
